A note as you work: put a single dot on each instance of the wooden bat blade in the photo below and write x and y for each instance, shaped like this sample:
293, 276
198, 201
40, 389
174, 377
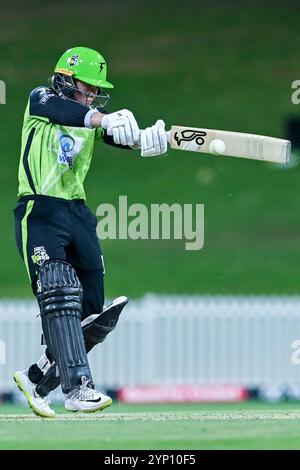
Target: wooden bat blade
242, 145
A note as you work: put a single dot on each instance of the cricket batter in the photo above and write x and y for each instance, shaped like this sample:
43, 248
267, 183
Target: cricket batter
56, 231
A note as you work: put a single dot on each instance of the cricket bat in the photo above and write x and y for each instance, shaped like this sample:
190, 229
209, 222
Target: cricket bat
233, 144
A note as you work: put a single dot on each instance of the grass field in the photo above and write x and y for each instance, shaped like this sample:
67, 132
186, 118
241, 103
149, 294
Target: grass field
225, 65
250, 425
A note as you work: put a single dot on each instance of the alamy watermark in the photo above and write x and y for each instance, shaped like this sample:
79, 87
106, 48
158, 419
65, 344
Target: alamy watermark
295, 357
159, 222
2, 353
2, 92
295, 97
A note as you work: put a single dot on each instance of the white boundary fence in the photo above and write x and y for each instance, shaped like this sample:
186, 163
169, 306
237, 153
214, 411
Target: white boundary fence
175, 340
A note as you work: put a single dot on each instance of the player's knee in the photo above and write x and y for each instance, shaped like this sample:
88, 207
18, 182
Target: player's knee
58, 288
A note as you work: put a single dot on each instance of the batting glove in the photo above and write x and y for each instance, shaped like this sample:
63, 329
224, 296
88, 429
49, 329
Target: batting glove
153, 140
122, 126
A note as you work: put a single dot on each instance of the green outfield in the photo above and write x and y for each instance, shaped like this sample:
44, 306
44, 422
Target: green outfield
224, 65
251, 425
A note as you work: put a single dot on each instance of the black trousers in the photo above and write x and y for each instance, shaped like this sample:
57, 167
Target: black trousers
53, 228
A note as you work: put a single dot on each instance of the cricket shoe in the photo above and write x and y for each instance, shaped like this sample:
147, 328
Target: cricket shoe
84, 398
40, 406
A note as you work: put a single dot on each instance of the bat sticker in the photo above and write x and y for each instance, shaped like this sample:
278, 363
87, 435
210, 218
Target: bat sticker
188, 134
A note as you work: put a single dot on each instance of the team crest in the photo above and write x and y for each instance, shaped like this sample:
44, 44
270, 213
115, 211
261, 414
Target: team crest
40, 255
72, 61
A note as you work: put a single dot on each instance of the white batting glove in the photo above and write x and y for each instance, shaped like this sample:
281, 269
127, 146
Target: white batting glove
153, 140
122, 126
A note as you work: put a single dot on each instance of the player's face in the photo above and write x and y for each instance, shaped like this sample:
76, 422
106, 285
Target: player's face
87, 93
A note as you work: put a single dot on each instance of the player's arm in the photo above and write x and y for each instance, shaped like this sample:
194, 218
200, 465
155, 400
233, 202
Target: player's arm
44, 103
121, 125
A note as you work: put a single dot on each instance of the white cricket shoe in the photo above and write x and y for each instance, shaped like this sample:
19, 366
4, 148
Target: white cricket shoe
85, 398
40, 406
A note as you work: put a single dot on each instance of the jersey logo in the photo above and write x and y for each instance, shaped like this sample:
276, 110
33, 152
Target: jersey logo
44, 95
40, 255
65, 154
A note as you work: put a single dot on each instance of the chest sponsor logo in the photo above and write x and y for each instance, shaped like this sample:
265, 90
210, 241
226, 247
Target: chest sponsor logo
66, 150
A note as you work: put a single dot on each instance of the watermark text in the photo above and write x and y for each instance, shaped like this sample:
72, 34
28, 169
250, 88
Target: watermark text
2, 353
159, 222
2, 92
295, 357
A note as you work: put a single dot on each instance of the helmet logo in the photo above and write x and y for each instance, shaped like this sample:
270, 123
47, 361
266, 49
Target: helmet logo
72, 61
102, 66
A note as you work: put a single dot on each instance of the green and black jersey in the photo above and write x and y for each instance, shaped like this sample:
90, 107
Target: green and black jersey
57, 146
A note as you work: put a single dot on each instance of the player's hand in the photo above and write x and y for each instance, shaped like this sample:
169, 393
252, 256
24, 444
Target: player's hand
153, 140
122, 126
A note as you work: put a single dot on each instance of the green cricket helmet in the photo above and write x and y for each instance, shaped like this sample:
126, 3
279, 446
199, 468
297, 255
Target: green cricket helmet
86, 65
